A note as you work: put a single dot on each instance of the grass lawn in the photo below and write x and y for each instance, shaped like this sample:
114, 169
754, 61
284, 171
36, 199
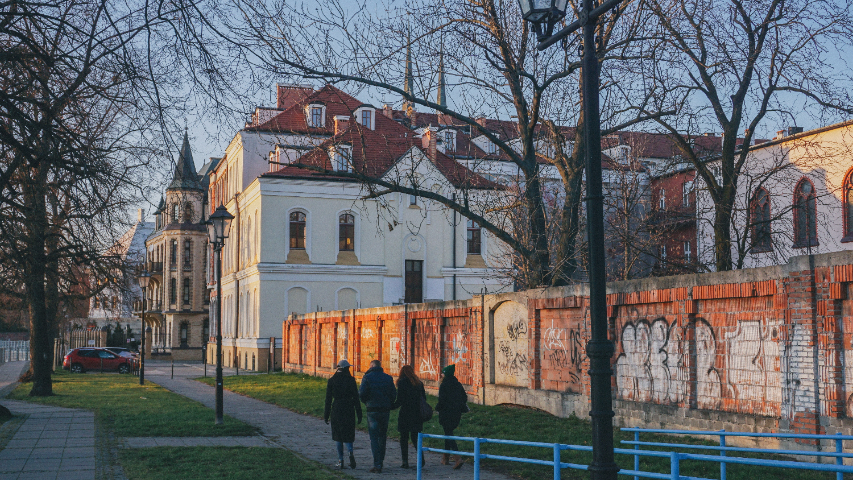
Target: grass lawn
305, 394
127, 409
232, 463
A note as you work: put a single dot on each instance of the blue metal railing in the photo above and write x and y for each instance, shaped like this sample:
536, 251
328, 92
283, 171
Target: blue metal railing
838, 454
675, 458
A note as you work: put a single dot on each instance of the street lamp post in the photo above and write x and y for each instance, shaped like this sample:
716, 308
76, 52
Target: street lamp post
143, 279
217, 230
544, 16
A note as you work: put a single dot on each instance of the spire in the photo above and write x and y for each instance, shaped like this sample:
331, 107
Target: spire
185, 176
441, 98
409, 86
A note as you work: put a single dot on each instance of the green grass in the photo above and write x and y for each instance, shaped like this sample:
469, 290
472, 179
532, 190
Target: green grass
232, 463
127, 409
305, 394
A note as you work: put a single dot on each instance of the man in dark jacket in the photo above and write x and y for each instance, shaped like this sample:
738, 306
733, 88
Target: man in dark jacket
378, 393
342, 406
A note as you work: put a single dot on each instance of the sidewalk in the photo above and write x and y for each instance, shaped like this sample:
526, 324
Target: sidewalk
44, 447
305, 435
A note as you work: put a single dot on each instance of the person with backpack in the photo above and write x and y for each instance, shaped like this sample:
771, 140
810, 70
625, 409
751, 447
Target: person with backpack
410, 396
342, 406
452, 403
378, 393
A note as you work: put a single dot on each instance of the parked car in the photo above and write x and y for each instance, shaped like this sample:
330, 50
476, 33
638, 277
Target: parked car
81, 359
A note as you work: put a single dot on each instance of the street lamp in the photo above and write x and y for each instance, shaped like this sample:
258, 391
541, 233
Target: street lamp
144, 278
544, 14
218, 225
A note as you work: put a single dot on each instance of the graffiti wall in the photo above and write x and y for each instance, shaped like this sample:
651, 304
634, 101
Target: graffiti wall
773, 343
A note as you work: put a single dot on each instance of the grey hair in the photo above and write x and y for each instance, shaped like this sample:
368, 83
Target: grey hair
375, 363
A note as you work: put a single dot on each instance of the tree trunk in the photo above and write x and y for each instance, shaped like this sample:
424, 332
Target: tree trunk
539, 262
722, 235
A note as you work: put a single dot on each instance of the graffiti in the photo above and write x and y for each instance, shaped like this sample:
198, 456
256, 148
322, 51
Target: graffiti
427, 367
753, 373
459, 349
554, 338
708, 385
368, 334
511, 362
394, 363
559, 359
516, 329
650, 366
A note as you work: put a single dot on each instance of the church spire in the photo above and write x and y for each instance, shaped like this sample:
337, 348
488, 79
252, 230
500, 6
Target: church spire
185, 176
409, 86
441, 97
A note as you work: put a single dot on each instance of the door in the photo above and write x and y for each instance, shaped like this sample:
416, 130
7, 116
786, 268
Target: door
414, 281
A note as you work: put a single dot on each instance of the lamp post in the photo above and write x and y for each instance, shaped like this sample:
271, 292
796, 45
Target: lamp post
218, 225
544, 15
143, 280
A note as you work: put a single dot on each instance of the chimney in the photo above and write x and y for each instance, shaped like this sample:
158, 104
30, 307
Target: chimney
429, 140
386, 110
794, 130
341, 123
779, 134
288, 95
140, 215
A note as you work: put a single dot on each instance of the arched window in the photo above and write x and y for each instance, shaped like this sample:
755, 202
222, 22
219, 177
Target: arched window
173, 290
297, 230
662, 199
346, 232
848, 208
188, 254
184, 333
760, 223
188, 212
173, 253
474, 242
186, 292
805, 215
175, 213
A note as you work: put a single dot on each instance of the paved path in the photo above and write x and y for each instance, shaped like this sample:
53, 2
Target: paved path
305, 435
146, 442
51, 443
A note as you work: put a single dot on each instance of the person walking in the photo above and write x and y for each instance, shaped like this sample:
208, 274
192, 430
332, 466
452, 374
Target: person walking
410, 394
452, 403
378, 394
342, 406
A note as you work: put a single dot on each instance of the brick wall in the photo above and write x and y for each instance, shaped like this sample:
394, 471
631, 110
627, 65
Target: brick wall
767, 349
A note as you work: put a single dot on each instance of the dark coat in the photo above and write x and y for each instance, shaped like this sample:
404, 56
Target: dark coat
452, 399
342, 403
377, 390
409, 400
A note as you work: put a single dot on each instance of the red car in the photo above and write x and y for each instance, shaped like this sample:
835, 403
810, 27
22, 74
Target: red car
81, 359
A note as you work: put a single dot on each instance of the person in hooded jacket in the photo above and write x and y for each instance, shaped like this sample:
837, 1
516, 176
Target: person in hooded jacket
378, 393
452, 403
342, 406
410, 393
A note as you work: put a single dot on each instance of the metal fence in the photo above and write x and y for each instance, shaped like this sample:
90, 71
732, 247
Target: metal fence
675, 458
14, 350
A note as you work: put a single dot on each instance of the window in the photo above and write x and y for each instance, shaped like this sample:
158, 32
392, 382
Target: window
297, 230
96, 303
366, 118
474, 235
184, 333
188, 212
848, 207
662, 199
760, 226
186, 292
492, 148
173, 253
188, 254
805, 215
175, 213
687, 251
173, 290
341, 155
448, 141
663, 252
315, 116
346, 232
685, 194
413, 200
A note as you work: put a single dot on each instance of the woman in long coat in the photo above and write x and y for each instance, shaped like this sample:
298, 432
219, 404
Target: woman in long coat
410, 392
343, 405
452, 403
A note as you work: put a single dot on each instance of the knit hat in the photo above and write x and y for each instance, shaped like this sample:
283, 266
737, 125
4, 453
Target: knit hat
343, 363
449, 370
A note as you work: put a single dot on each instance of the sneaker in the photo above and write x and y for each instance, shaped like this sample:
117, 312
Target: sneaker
351, 461
340, 464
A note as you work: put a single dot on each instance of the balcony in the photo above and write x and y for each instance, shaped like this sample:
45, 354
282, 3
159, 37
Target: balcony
155, 268
151, 306
673, 217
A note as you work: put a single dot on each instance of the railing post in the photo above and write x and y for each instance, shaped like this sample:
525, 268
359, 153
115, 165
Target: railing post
557, 466
838, 460
636, 457
674, 466
477, 458
420, 455
723, 454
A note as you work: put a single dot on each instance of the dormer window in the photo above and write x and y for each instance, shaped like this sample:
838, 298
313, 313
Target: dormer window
316, 115
341, 156
449, 141
365, 116
492, 148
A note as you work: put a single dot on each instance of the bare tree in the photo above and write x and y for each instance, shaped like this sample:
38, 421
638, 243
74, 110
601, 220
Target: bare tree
732, 66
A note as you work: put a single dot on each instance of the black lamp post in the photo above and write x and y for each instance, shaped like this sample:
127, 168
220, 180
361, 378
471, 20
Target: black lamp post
544, 14
143, 280
218, 225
